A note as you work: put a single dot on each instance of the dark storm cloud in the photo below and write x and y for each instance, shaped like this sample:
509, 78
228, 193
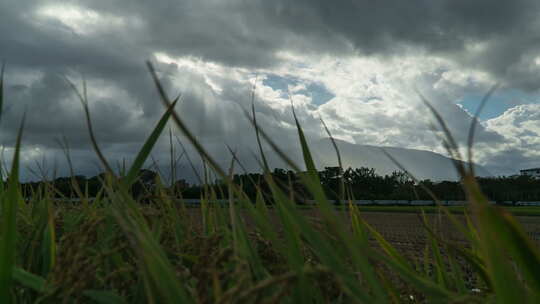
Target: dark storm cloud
212, 28
54, 111
508, 30
249, 33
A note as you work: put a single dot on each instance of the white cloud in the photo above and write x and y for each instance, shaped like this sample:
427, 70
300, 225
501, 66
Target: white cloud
375, 100
520, 126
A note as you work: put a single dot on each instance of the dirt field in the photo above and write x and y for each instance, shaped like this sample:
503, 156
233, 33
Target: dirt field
405, 230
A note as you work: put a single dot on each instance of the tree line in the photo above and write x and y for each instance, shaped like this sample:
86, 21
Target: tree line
356, 183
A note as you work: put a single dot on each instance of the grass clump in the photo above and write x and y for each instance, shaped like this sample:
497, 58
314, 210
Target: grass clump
116, 250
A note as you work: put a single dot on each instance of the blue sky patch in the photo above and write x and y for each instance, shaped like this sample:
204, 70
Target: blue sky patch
318, 93
279, 83
499, 102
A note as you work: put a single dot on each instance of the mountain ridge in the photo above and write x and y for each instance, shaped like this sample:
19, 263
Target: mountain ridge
420, 163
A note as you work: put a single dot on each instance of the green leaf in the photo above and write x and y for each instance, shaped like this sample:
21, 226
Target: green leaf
475, 261
10, 204
442, 277
148, 146
49, 241
104, 297
159, 275
29, 280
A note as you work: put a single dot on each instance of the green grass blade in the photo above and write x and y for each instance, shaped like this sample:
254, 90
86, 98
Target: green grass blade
258, 136
48, 243
148, 146
183, 128
326, 252
466, 232
387, 247
457, 274
442, 277
449, 142
10, 203
83, 98
104, 297
472, 127
29, 280
340, 163
159, 274
340, 250
471, 257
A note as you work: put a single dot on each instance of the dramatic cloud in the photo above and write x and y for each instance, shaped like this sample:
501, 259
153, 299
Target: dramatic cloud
358, 65
521, 128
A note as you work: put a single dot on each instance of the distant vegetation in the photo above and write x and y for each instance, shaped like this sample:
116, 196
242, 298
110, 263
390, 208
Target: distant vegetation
360, 183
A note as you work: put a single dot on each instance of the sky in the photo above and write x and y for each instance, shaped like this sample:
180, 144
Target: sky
358, 65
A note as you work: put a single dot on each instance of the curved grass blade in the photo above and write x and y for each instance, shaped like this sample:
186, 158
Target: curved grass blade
263, 156
48, 246
449, 142
442, 275
472, 128
159, 275
84, 101
466, 232
498, 229
326, 251
29, 280
104, 297
185, 130
340, 163
148, 146
10, 203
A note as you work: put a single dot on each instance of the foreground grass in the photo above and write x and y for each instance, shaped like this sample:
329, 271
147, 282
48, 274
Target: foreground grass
117, 250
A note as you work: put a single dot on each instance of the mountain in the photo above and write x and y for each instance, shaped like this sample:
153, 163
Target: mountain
422, 164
